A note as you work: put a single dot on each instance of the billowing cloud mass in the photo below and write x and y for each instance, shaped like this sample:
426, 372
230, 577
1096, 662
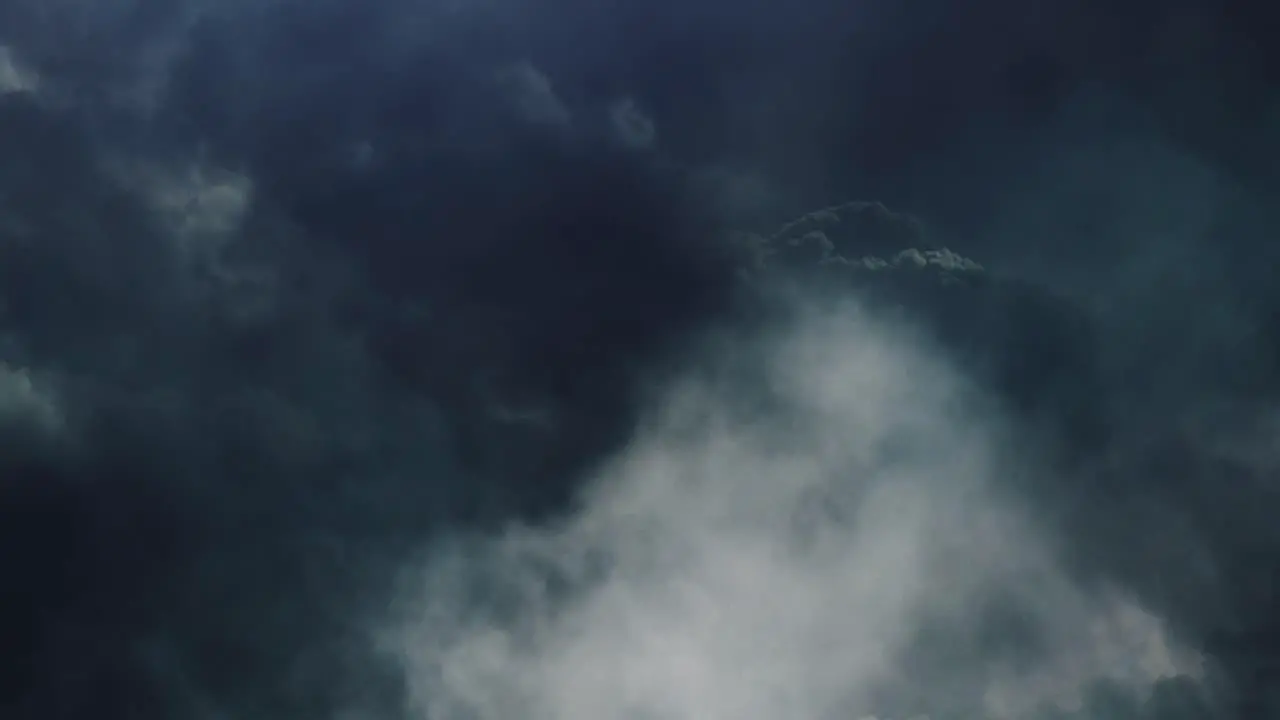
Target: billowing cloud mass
669, 360
848, 553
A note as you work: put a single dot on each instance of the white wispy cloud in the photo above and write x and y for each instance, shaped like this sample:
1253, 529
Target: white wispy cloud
532, 94
14, 77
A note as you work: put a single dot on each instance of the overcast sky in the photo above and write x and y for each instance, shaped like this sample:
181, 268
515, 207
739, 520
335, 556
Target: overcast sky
389, 359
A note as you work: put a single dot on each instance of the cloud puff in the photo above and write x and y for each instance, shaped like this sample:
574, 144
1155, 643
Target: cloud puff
532, 94
15, 78
25, 403
631, 126
202, 207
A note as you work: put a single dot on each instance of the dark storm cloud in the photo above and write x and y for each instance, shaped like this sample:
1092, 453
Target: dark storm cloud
244, 375
290, 290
